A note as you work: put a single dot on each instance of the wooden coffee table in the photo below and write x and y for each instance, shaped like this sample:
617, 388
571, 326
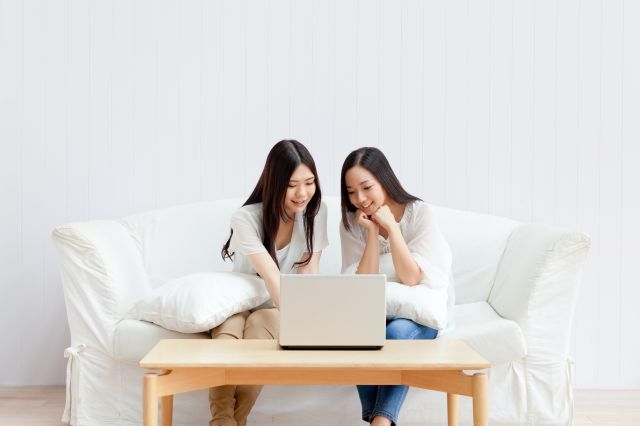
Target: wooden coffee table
187, 365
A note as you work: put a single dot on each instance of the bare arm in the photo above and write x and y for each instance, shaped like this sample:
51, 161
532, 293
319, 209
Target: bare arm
269, 272
370, 261
406, 267
404, 264
313, 266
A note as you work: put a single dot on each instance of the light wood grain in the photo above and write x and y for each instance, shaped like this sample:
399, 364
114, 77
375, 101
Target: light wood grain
198, 364
396, 354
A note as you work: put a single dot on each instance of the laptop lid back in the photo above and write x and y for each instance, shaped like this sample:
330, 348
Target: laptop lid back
332, 311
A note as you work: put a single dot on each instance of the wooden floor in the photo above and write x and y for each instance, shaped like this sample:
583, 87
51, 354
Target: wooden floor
43, 406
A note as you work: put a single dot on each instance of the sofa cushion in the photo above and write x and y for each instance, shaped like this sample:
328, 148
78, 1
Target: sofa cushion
495, 338
181, 240
199, 302
477, 243
419, 303
133, 339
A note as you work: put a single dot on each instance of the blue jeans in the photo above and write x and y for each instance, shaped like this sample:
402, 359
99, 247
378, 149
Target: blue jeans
386, 401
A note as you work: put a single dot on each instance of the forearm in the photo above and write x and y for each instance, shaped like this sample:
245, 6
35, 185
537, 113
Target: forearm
273, 288
407, 270
269, 272
370, 261
313, 266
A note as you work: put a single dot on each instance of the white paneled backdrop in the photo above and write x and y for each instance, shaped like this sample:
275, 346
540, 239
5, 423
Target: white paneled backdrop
526, 108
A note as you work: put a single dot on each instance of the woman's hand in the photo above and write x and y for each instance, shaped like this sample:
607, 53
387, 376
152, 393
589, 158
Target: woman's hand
385, 218
364, 221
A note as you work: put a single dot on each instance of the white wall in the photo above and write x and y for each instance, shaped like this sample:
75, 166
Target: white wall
528, 109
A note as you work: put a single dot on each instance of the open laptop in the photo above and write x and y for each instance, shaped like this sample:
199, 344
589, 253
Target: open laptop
332, 311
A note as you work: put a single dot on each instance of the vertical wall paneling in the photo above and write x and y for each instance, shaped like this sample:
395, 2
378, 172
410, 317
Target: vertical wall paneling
279, 70
168, 101
189, 165
434, 141
123, 145
102, 192
589, 135
142, 71
526, 109
456, 102
522, 112
53, 316
78, 95
412, 88
566, 125
544, 110
566, 129
501, 53
323, 141
392, 91
32, 180
345, 74
368, 73
479, 101
11, 112
256, 106
213, 104
234, 120
301, 103
630, 158
610, 184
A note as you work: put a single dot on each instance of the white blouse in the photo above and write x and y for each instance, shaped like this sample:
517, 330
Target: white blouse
420, 229
246, 240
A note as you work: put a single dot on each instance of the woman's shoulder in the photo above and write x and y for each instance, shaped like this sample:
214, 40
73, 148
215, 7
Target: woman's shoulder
351, 222
419, 210
250, 212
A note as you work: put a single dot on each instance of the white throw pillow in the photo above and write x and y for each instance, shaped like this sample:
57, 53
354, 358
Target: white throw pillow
201, 301
418, 303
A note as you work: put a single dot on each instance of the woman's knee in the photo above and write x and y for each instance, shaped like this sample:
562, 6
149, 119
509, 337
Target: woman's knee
402, 329
232, 328
262, 324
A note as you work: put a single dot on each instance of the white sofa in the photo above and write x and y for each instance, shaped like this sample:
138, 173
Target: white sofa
515, 288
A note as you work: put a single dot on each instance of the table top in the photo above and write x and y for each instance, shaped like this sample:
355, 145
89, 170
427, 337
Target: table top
439, 354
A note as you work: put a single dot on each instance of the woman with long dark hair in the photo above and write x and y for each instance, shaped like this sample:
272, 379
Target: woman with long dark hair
385, 229
282, 227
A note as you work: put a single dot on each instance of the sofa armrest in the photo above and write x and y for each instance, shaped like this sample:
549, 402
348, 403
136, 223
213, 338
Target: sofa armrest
102, 276
536, 285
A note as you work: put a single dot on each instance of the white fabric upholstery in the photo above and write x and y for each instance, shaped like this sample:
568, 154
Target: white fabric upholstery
133, 339
498, 339
201, 301
515, 292
477, 242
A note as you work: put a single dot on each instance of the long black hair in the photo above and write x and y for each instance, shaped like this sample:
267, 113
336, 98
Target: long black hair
271, 190
373, 160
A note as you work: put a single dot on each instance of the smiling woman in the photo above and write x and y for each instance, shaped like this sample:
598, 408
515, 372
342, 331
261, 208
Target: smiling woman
384, 225
281, 227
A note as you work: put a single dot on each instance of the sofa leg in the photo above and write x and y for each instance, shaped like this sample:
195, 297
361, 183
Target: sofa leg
452, 409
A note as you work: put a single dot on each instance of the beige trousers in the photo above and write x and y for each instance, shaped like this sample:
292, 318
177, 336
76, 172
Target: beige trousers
230, 404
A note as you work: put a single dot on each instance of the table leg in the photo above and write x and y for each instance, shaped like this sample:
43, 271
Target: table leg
452, 409
150, 400
167, 410
480, 399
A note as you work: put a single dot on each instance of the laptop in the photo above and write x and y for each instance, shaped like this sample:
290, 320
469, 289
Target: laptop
332, 311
